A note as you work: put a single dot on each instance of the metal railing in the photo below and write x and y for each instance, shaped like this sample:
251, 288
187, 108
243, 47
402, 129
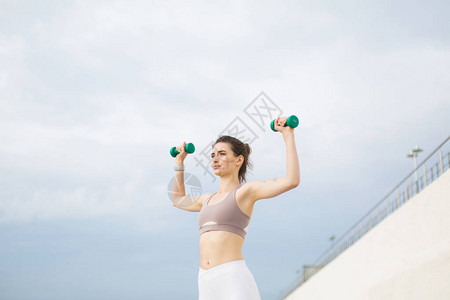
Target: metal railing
417, 180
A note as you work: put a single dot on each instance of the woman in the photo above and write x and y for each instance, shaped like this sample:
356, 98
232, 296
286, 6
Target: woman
225, 215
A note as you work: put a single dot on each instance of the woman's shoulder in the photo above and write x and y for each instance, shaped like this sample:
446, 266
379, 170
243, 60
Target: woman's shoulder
245, 195
247, 188
249, 185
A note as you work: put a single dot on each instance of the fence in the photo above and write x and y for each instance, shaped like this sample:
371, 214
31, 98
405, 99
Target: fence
425, 173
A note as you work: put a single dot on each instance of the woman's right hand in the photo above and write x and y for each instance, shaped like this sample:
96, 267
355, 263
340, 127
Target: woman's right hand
179, 159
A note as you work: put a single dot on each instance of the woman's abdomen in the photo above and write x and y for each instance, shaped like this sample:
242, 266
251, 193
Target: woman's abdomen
219, 247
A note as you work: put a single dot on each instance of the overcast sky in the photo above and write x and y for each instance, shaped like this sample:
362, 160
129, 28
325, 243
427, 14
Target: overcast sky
94, 93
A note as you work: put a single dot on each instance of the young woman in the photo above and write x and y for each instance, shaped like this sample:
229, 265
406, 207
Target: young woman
225, 215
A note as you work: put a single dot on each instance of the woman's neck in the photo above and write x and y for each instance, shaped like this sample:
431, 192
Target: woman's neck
227, 184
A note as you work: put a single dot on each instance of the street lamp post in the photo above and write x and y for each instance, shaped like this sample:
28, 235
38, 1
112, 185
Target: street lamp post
414, 152
331, 238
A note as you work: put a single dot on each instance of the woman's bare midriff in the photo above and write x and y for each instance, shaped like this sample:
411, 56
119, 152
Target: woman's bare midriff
219, 247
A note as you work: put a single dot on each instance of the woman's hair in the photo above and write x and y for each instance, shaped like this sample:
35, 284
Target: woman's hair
238, 148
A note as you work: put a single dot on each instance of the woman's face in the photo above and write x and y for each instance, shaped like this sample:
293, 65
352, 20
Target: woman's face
223, 160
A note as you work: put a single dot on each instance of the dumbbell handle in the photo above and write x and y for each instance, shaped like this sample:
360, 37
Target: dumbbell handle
292, 122
190, 148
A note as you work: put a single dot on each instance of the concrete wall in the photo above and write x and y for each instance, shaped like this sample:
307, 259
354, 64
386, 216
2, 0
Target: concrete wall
406, 256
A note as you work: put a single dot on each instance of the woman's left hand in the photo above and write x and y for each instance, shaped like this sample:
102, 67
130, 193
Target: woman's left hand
280, 123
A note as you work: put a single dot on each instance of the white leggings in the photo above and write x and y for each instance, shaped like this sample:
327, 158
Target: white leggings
229, 281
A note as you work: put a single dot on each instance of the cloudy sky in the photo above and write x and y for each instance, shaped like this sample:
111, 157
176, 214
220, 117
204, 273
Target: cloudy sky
94, 93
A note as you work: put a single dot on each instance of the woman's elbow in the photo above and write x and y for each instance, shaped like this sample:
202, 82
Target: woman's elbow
294, 183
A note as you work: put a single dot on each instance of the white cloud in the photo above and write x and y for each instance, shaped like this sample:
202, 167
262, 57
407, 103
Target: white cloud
196, 69
13, 73
129, 197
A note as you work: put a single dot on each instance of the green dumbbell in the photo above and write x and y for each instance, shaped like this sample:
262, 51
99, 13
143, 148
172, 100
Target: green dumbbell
190, 148
292, 122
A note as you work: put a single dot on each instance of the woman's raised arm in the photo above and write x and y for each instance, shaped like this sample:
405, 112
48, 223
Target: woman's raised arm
179, 197
276, 186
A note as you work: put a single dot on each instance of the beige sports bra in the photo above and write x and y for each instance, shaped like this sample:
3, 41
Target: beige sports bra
223, 216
